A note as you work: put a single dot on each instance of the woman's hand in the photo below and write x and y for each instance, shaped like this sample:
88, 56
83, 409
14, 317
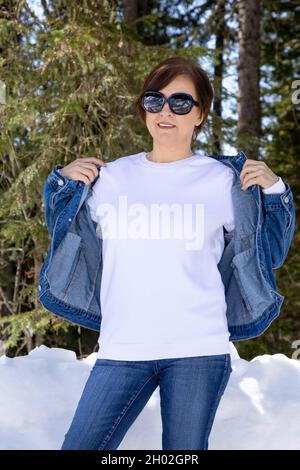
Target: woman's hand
257, 172
82, 169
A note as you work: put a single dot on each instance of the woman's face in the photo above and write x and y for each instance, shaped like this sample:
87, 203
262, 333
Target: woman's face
181, 134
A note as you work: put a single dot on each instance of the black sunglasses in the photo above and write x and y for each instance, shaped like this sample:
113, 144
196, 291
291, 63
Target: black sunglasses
180, 103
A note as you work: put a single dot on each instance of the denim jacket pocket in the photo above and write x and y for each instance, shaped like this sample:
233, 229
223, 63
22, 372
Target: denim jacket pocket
253, 287
63, 263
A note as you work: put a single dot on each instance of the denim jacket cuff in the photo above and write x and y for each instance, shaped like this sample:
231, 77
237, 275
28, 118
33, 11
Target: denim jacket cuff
278, 201
59, 182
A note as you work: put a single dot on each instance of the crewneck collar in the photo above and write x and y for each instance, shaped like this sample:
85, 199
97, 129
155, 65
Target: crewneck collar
182, 161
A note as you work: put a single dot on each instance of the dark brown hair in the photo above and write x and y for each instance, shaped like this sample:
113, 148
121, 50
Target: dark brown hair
166, 71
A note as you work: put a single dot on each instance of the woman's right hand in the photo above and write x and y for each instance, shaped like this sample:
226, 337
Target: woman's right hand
82, 169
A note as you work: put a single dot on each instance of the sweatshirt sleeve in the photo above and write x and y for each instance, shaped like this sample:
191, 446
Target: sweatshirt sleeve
277, 188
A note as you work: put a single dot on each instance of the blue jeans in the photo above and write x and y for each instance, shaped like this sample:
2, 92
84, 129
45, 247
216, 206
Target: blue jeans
117, 391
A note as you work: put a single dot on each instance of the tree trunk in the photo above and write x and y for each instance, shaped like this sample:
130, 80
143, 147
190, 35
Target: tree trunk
218, 77
249, 120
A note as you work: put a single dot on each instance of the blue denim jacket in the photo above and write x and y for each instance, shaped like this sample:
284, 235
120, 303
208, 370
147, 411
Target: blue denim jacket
70, 277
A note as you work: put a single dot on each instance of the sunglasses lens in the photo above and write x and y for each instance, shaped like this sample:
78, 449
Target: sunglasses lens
152, 102
181, 103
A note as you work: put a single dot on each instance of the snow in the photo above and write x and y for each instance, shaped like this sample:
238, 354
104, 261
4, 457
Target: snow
39, 392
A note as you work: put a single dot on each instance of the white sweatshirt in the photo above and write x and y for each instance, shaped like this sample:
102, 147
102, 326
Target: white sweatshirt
162, 294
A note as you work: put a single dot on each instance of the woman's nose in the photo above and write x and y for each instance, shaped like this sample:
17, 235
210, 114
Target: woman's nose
166, 108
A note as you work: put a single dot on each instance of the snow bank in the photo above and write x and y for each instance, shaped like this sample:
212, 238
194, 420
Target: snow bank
260, 408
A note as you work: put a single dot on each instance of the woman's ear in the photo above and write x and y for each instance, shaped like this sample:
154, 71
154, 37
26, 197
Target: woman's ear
200, 119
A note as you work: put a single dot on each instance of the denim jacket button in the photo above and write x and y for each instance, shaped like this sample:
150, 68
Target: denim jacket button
286, 199
60, 182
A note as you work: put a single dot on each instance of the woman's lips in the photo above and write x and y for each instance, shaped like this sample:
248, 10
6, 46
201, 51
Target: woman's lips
165, 127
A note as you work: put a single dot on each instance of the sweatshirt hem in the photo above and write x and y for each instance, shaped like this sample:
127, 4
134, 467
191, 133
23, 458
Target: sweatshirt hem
154, 351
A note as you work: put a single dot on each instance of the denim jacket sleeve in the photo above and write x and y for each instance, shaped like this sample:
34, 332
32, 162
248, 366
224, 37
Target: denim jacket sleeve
279, 223
57, 193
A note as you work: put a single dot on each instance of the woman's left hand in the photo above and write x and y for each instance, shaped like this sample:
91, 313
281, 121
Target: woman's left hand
257, 172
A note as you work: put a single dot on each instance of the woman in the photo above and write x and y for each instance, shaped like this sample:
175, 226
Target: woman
162, 216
